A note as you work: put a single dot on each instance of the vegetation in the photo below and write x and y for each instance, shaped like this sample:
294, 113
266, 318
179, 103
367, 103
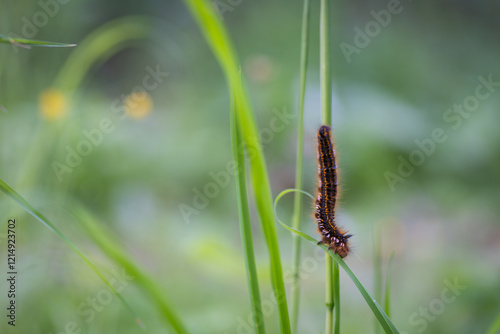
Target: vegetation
126, 144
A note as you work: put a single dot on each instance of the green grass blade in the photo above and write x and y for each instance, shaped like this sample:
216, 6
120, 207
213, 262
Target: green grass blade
336, 296
377, 271
100, 45
286, 191
97, 47
283, 193
387, 297
495, 326
329, 294
245, 226
39, 216
113, 250
218, 39
297, 205
27, 43
326, 117
379, 313
324, 62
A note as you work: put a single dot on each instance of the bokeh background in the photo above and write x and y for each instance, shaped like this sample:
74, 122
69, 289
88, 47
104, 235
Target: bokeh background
163, 148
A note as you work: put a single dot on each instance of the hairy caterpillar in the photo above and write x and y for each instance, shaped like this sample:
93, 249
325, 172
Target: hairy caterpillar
332, 235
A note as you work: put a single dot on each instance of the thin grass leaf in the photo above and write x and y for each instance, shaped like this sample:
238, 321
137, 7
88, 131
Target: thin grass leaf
218, 39
27, 43
245, 226
40, 217
297, 204
287, 191
377, 271
336, 296
495, 326
324, 62
329, 294
332, 287
97, 47
100, 236
100, 45
379, 313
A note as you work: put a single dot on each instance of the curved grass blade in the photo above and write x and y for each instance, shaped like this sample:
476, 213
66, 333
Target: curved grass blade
35, 213
495, 326
113, 250
96, 48
287, 191
218, 39
379, 313
100, 45
27, 43
245, 226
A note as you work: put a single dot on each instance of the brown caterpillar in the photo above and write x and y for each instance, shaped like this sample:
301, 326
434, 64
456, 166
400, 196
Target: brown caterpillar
332, 235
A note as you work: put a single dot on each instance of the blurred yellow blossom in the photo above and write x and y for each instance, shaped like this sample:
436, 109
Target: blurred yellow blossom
138, 104
53, 104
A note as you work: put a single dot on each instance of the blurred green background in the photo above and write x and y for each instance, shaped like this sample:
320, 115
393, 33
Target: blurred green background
399, 81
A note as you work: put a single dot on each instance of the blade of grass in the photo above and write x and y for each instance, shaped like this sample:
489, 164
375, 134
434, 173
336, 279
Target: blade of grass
97, 47
384, 320
27, 43
100, 45
40, 217
336, 296
379, 313
297, 205
324, 61
332, 287
218, 39
329, 294
100, 236
495, 326
286, 191
377, 271
245, 227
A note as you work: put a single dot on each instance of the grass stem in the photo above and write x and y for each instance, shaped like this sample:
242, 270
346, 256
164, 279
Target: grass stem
329, 294
245, 226
222, 47
326, 117
298, 169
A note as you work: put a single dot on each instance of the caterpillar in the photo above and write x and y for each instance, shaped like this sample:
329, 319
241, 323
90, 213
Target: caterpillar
335, 237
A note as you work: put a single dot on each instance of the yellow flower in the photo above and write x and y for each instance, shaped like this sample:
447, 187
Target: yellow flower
138, 104
53, 104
